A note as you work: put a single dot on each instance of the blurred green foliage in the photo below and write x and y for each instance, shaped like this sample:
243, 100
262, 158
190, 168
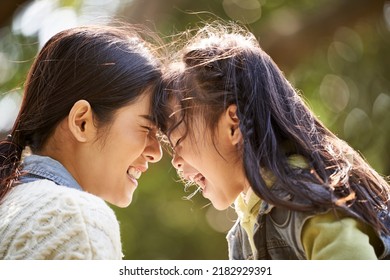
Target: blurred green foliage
335, 52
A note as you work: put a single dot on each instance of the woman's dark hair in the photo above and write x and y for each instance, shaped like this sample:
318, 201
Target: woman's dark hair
108, 66
224, 65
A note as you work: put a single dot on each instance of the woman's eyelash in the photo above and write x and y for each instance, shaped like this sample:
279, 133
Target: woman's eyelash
148, 128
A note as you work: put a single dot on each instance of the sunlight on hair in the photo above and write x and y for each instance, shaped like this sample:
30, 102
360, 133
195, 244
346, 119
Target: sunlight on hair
187, 186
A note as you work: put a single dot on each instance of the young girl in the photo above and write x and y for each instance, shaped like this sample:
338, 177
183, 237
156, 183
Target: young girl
241, 132
86, 118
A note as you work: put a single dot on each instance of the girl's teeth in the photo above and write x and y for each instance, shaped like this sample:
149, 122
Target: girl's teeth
134, 172
197, 178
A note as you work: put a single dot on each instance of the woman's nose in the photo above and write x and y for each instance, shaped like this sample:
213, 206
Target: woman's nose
153, 151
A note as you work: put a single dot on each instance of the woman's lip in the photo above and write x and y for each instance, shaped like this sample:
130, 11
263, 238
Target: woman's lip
142, 168
132, 179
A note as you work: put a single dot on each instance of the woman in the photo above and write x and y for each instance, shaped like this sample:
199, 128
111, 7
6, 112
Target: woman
86, 118
242, 134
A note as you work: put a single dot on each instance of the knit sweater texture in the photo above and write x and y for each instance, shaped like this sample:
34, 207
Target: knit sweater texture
42, 220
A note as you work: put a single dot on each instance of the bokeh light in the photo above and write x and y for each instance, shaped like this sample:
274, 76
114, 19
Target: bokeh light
245, 11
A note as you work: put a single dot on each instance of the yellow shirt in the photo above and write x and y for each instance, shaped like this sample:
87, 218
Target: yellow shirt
324, 236
247, 208
327, 237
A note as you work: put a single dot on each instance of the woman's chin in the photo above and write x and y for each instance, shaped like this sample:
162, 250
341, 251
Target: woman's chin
123, 201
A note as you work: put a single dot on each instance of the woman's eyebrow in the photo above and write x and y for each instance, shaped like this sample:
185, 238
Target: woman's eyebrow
148, 118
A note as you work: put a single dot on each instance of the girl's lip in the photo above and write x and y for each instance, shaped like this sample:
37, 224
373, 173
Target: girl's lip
192, 177
199, 179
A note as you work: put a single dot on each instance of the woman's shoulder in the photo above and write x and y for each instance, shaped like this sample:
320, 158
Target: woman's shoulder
61, 218
45, 194
46, 191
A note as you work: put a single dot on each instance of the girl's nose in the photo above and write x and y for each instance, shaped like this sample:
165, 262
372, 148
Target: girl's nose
176, 161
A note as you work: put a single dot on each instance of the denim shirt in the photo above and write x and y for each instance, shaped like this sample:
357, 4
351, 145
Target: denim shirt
37, 167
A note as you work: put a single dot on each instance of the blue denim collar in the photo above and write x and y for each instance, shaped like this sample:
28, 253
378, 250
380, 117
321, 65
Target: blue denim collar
37, 167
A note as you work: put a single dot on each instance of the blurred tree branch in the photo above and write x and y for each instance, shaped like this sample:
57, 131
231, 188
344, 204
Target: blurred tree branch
317, 28
286, 50
8, 9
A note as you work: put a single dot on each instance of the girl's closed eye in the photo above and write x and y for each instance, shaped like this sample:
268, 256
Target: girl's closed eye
178, 141
174, 145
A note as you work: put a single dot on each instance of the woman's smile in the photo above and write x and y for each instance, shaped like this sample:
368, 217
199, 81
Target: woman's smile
134, 174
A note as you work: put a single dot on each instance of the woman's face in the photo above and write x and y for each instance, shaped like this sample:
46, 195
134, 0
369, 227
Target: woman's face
117, 160
217, 168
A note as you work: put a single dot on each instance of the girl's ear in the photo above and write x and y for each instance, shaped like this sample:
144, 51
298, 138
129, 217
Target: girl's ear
233, 124
80, 121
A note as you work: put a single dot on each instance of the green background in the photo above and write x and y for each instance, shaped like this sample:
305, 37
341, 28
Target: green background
336, 52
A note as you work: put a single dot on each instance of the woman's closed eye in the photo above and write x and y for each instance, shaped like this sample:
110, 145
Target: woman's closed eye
148, 125
152, 132
148, 129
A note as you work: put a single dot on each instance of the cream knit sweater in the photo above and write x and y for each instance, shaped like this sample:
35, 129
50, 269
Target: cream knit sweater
41, 220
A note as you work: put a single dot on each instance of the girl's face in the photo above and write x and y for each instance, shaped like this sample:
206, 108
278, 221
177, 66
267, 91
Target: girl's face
116, 161
217, 168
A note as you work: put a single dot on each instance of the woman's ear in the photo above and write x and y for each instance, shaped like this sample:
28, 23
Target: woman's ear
80, 121
233, 124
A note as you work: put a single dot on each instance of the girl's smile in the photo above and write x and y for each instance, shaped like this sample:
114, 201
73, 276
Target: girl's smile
213, 165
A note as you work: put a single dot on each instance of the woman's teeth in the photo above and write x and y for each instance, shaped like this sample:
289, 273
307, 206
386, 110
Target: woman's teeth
134, 172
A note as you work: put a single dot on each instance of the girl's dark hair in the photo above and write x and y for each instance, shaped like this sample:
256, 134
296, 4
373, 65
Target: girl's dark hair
108, 66
224, 65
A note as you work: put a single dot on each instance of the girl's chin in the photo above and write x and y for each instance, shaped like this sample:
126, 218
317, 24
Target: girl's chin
220, 205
